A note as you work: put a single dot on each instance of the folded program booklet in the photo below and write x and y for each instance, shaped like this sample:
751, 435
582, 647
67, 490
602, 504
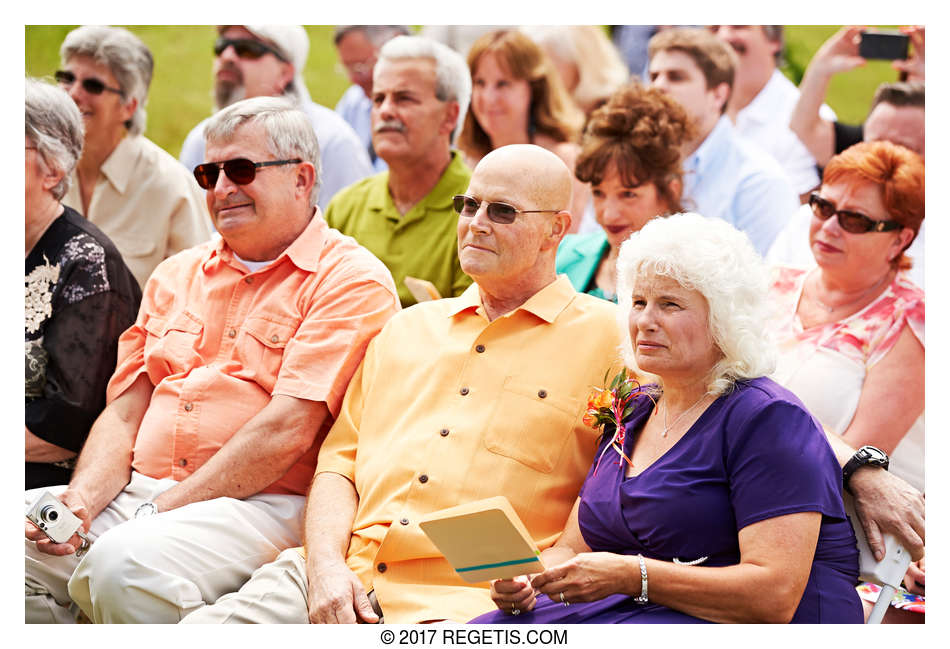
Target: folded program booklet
483, 540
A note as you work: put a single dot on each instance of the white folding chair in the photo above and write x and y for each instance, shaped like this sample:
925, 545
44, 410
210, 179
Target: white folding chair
887, 573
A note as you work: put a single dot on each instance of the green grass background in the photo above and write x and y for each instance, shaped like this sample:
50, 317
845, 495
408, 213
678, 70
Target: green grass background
180, 94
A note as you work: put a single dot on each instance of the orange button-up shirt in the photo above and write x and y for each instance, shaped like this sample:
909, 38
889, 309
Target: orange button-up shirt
449, 408
217, 341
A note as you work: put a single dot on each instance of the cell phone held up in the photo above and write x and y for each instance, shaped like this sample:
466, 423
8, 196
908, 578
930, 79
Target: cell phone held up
54, 518
887, 46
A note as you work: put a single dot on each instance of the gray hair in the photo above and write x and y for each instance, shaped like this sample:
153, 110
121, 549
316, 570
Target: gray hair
453, 80
54, 124
289, 132
375, 34
127, 57
710, 256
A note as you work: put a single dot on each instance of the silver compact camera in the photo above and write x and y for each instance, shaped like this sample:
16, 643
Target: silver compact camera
54, 518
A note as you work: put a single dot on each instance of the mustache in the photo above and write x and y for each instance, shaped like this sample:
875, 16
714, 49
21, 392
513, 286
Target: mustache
390, 125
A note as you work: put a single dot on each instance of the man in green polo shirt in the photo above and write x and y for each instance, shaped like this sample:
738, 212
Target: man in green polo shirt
404, 215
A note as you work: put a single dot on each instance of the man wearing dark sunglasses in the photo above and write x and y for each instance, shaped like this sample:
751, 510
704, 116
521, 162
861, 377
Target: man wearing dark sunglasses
457, 400
224, 388
125, 184
268, 61
404, 215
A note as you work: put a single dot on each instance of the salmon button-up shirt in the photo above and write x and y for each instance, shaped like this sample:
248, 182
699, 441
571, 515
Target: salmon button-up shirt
218, 341
449, 408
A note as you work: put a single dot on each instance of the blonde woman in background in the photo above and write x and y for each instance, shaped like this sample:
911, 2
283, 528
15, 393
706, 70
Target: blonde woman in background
518, 98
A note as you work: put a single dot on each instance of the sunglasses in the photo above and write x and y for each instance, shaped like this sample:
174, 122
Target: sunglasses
853, 222
502, 213
90, 84
240, 170
246, 48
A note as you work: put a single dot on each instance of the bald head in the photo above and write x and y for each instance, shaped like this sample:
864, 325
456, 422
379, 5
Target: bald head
532, 172
512, 261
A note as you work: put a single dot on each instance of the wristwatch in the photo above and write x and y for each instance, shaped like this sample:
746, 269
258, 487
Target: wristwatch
146, 509
871, 455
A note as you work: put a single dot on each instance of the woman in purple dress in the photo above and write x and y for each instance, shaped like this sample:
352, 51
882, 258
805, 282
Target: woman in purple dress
718, 499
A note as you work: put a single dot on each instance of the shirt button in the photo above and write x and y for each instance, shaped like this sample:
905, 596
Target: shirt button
249, 280
542, 393
404, 521
444, 432
183, 462
479, 348
274, 339
189, 406
232, 333
423, 478
463, 391
381, 567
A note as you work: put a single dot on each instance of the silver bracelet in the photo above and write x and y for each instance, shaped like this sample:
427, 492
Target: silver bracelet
642, 598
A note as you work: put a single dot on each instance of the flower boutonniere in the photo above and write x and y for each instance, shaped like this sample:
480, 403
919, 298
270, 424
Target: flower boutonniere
613, 404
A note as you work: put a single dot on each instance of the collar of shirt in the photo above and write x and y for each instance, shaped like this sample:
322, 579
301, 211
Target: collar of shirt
304, 252
547, 304
438, 198
711, 149
120, 165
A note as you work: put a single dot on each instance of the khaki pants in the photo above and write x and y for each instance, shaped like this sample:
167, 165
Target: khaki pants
275, 594
159, 568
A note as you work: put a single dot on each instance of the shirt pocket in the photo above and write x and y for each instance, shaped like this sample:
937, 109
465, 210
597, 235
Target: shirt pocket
133, 247
261, 348
172, 342
533, 423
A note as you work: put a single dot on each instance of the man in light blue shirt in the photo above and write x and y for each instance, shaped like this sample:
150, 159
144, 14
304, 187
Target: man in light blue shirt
268, 60
358, 48
725, 176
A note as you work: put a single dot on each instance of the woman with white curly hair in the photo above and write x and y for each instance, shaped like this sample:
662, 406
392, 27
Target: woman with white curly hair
716, 498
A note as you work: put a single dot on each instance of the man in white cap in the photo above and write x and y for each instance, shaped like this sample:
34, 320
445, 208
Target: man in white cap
268, 60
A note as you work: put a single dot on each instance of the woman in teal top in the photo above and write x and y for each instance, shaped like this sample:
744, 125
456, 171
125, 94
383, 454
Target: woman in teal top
630, 154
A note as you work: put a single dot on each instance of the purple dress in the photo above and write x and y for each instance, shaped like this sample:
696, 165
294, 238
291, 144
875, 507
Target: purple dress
754, 454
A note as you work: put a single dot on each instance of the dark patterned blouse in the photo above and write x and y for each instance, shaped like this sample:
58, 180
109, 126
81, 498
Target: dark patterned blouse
80, 297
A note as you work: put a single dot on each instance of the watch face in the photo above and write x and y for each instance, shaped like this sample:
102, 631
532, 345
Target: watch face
875, 455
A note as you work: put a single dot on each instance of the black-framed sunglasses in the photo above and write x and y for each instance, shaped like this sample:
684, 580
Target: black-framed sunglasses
853, 222
240, 170
246, 48
90, 84
502, 213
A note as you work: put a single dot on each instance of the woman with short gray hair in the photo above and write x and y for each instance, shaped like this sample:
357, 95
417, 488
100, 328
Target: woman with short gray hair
79, 295
714, 496
125, 184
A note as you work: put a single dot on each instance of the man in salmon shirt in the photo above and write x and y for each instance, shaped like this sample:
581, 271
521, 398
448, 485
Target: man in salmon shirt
224, 390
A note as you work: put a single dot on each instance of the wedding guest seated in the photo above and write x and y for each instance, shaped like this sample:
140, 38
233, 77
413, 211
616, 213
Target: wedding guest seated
80, 295
126, 184
856, 322
587, 62
630, 154
718, 498
851, 332
518, 98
